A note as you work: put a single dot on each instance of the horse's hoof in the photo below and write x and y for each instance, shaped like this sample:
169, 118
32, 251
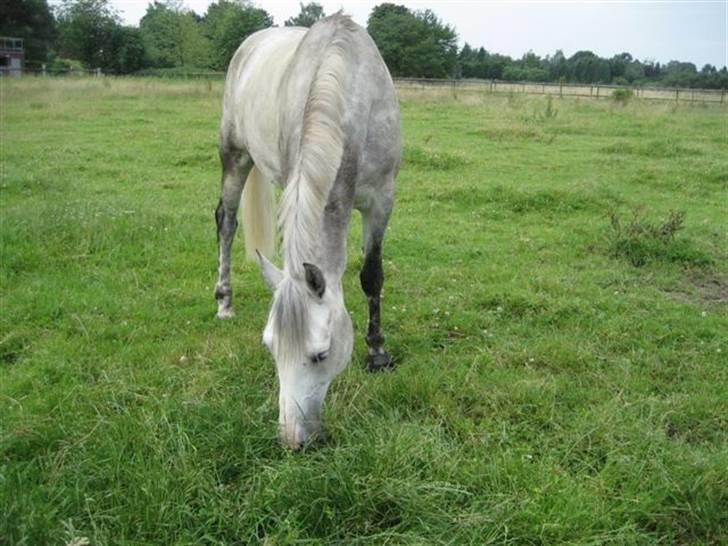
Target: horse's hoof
379, 362
225, 313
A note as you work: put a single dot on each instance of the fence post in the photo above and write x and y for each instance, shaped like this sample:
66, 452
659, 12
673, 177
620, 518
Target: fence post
43, 69
561, 88
98, 72
677, 94
722, 95
597, 92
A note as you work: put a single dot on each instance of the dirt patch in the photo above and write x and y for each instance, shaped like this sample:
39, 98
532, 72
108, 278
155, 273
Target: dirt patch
712, 288
704, 287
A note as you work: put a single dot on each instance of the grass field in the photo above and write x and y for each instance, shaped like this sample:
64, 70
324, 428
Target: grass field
560, 337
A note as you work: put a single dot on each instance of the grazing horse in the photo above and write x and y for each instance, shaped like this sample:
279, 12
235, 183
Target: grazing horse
314, 112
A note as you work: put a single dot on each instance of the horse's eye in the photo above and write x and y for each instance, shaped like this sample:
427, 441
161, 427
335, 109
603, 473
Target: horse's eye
320, 357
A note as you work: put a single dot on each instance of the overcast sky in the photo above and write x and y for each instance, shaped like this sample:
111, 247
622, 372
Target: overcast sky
693, 30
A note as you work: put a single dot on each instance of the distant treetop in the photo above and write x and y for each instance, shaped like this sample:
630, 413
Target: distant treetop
309, 14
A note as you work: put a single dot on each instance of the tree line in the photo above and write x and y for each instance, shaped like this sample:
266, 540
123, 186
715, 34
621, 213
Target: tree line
413, 43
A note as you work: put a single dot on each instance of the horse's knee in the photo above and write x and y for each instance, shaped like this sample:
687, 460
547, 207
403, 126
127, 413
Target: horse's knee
225, 219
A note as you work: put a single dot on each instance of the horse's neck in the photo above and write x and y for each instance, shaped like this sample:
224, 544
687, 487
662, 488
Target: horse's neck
307, 233
326, 249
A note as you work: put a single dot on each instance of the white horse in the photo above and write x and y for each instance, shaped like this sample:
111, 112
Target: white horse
313, 111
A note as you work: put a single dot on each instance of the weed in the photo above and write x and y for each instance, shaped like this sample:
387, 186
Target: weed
549, 111
642, 240
622, 96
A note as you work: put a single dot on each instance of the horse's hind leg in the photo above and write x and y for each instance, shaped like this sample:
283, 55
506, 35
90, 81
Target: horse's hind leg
236, 165
374, 220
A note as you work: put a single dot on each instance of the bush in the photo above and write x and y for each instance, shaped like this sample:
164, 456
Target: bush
622, 95
59, 64
641, 240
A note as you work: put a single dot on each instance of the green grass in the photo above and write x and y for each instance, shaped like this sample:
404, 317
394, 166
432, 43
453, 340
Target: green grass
548, 390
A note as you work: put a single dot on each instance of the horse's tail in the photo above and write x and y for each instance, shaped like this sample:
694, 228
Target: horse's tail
321, 149
258, 215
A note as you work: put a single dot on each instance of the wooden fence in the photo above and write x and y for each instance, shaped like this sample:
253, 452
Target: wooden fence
475, 86
594, 91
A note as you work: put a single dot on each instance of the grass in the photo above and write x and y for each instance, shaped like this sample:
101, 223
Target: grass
548, 390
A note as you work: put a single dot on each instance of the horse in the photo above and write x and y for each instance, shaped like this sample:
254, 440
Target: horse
314, 112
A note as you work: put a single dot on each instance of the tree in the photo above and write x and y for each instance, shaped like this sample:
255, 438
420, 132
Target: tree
413, 43
586, 67
618, 64
679, 74
32, 21
558, 66
129, 54
86, 31
309, 14
90, 32
467, 62
634, 72
653, 71
172, 36
227, 24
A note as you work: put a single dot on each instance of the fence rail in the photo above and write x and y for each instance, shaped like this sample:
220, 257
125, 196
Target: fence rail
593, 91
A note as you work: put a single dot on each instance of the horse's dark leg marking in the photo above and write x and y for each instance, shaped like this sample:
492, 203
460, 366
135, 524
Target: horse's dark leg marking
235, 168
372, 280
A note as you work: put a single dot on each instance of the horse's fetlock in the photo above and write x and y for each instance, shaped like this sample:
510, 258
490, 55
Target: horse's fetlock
375, 340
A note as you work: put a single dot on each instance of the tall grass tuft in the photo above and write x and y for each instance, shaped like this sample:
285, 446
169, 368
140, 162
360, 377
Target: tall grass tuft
622, 96
549, 111
642, 240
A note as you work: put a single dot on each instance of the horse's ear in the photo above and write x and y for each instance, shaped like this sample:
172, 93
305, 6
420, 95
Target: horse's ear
271, 273
315, 279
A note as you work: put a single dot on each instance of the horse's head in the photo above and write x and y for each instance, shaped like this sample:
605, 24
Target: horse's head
310, 336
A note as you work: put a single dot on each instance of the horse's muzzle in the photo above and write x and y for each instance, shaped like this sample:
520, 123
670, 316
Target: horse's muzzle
297, 436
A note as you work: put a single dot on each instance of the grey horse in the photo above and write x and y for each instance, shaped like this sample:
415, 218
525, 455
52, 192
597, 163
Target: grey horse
314, 112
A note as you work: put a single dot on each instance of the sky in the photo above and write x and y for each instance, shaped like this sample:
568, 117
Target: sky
658, 30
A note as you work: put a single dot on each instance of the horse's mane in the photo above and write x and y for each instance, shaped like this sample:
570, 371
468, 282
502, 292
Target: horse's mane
320, 152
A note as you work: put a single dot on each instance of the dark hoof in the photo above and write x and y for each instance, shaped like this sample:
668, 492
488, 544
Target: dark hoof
379, 362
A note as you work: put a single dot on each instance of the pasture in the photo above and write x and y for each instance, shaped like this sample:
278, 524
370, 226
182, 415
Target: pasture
560, 335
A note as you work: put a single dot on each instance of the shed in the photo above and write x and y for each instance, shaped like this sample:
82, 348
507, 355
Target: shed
12, 56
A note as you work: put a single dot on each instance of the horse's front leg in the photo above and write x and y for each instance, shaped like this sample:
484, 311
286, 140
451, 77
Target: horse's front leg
236, 165
372, 280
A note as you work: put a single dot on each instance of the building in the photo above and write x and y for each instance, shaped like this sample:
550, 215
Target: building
12, 56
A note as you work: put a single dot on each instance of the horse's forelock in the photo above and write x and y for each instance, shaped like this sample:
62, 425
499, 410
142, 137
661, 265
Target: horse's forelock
289, 321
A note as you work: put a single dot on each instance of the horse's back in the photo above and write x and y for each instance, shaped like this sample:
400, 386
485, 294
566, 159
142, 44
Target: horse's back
370, 120
268, 88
